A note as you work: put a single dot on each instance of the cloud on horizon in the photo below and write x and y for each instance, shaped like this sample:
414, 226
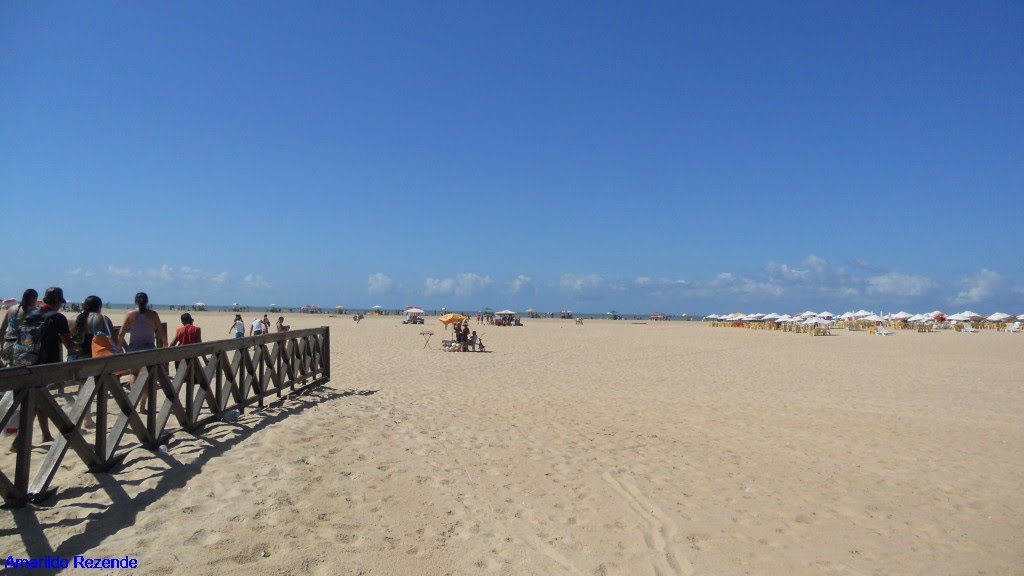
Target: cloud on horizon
463, 284
378, 283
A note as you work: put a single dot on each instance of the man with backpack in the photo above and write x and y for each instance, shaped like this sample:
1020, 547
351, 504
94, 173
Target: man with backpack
33, 337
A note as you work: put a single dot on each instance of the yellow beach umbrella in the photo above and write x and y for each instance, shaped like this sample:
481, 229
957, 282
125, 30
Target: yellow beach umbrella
452, 317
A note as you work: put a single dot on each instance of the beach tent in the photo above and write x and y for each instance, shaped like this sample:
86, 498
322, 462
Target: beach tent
414, 311
505, 313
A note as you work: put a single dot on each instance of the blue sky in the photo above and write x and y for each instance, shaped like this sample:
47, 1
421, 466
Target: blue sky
700, 157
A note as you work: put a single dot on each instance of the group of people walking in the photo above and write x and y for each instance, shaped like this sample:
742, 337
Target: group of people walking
258, 326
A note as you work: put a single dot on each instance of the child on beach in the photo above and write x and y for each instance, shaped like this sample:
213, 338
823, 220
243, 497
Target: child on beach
238, 327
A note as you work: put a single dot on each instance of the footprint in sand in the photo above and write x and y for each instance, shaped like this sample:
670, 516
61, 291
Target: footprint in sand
661, 530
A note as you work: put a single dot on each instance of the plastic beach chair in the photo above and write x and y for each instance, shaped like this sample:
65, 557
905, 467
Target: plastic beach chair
883, 331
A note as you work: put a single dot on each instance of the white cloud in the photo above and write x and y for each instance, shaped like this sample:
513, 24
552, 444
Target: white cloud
439, 286
518, 283
378, 283
580, 284
125, 273
897, 284
980, 287
642, 281
468, 284
464, 284
255, 281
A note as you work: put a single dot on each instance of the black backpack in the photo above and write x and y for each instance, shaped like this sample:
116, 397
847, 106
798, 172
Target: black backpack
24, 350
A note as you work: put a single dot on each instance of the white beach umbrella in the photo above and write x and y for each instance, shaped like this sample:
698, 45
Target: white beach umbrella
998, 317
959, 317
902, 315
970, 314
808, 314
784, 318
825, 314
872, 318
771, 316
1021, 317
861, 313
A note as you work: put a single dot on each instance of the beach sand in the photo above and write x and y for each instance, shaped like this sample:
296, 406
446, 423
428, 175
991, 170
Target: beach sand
607, 448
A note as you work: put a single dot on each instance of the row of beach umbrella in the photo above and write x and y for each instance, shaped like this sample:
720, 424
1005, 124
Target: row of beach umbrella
809, 317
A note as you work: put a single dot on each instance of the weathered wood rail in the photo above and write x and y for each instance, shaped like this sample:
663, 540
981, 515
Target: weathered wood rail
196, 384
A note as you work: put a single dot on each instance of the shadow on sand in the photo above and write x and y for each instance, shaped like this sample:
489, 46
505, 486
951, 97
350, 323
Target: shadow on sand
212, 441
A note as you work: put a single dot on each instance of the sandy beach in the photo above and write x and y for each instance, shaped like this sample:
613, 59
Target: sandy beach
607, 448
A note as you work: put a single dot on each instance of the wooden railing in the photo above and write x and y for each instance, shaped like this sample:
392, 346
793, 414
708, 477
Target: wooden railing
196, 384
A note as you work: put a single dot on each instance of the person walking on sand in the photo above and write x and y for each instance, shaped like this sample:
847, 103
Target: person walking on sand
257, 327
237, 327
281, 327
9, 325
143, 324
52, 331
188, 333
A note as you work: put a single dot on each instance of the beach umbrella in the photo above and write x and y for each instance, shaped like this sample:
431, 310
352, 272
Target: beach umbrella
529, 309
970, 314
959, 317
861, 313
825, 314
505, 313
784, 318
452, 317
998, 317
872, 318
808, 314
901, 315
336, 307
377, 307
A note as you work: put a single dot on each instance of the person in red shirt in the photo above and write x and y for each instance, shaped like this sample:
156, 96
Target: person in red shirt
188, 333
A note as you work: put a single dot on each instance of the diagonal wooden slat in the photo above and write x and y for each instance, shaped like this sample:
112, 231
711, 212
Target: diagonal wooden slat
212, 374
70, 435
